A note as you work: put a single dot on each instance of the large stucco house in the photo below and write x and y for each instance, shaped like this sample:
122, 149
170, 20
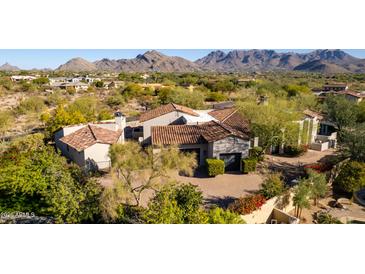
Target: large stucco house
223, 134
88, 145
215, 133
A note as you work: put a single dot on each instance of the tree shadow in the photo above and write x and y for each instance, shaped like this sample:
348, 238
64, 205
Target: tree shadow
288, 171
223, 202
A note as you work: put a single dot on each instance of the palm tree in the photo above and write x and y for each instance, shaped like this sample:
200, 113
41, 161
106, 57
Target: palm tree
301, 197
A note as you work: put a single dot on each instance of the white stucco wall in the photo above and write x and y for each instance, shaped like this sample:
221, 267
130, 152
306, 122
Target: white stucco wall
162, 120
64, 132
99, 153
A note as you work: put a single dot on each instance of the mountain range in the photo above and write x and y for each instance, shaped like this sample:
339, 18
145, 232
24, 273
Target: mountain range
323, 61
8, 67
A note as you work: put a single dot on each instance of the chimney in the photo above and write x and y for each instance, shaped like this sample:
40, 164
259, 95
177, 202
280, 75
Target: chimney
120, 121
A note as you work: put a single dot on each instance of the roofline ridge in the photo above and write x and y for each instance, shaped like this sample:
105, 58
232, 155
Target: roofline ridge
228, 116
92, 132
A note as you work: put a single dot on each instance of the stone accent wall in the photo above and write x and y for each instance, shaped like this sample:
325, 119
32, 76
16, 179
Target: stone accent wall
231, 145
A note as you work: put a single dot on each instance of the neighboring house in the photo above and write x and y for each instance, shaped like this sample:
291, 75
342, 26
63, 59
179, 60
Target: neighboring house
54, 80
353, 96
317, 132
76, 85
18, 78
221, 133
88, 145
334, 87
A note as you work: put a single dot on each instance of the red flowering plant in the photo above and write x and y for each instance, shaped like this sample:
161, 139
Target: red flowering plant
248, 204
318, 167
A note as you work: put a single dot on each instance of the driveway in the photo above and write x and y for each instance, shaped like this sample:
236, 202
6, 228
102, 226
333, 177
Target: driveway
293, 167
220, 190
223, 189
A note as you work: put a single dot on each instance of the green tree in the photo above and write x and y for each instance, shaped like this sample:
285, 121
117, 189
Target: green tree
318, 185
86, 105
183, 204
301, 197
41, 81
296, 90
135, 170
34, 178
62, 118
353, 142
99, 84
274, 123
218, 215
164, 209
272, 186
340, 111
193, 99
351, 177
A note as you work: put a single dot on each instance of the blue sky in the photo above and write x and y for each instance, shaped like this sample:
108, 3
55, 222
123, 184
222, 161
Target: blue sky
52, 58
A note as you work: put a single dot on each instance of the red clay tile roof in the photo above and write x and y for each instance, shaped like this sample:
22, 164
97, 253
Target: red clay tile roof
192, 134
90, 135
164, 109
232, 118
313, 114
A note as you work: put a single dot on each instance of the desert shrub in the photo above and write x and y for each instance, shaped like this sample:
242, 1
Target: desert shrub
41, 81
218, 215
6, 83
99, 84
56, 99
104, 114
351, 177
216, 97
27, 87
248, 204
71, 90
272, 186
295, 151
6, 120
215, 167
31, 104
257, 153
115, 100
249, 165
326, 218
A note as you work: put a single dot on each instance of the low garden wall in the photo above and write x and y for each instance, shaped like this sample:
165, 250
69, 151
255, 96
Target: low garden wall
264, 214
319, 146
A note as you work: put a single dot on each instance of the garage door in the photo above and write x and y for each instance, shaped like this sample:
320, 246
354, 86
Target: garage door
232, 161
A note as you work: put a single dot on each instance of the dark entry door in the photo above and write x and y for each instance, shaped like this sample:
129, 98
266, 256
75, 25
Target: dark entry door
196, 151
232, 161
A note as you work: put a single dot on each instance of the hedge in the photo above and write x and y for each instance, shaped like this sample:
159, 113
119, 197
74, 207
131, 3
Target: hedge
249, 165
215, 167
